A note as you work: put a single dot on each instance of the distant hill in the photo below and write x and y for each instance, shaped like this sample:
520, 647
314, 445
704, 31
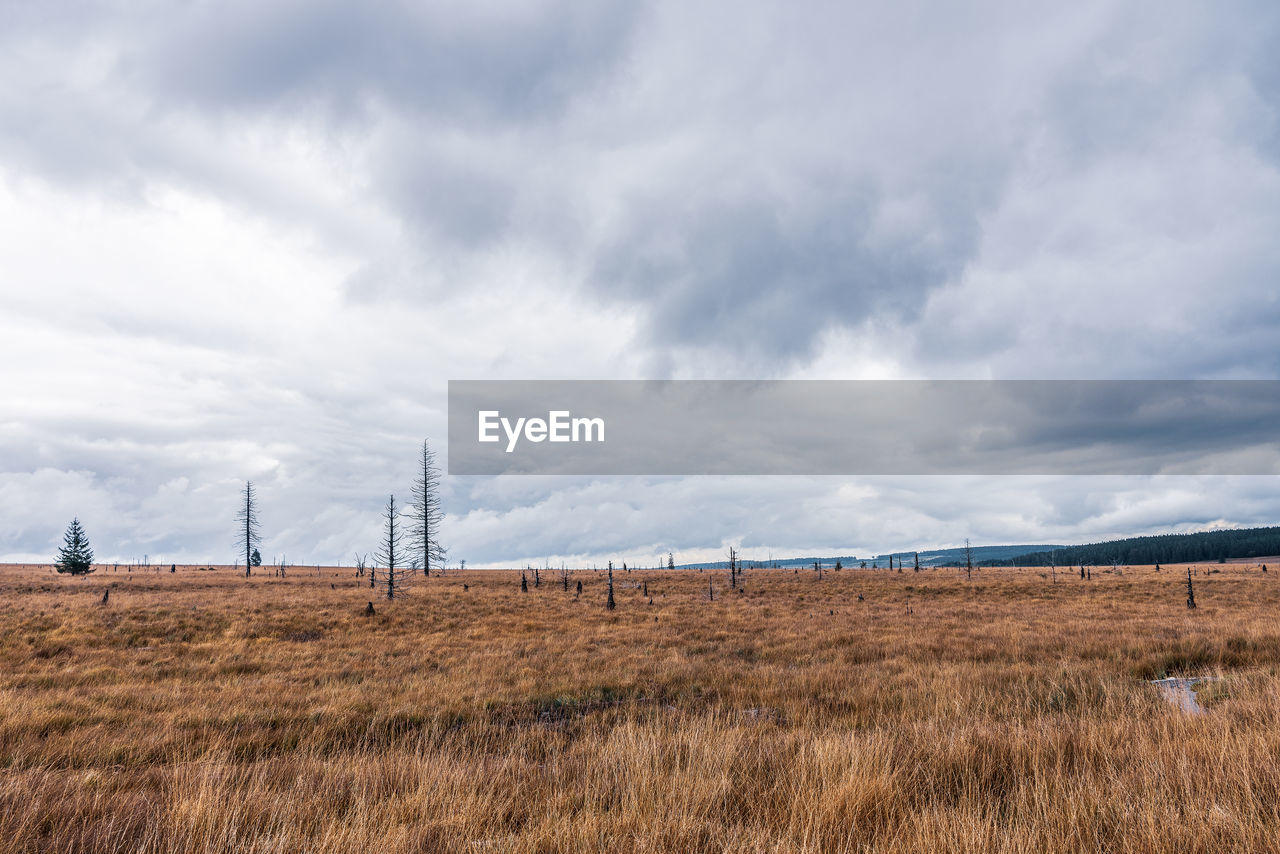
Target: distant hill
932, 557
1203, 546
981, 554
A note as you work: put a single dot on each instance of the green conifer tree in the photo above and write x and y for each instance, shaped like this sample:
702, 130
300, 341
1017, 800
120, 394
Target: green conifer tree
75, 556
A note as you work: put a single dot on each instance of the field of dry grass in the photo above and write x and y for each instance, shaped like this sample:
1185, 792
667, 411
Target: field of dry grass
200, 711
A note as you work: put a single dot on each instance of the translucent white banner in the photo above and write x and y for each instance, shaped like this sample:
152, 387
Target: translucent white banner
685, 427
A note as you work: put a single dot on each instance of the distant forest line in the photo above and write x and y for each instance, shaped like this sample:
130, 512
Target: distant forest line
1202, 546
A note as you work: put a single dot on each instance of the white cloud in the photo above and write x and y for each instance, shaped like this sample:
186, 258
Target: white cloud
259, 244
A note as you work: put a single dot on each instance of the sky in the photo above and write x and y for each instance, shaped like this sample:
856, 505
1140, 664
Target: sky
255, 240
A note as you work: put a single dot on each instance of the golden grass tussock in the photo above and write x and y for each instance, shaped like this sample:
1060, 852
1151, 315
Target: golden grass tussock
200, 711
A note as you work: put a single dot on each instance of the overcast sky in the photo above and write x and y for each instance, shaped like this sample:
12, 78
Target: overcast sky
256, 239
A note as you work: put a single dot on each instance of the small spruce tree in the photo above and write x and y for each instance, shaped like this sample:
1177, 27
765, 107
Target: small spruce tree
75, 557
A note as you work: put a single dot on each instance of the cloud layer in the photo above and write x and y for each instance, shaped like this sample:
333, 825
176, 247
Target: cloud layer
255, 240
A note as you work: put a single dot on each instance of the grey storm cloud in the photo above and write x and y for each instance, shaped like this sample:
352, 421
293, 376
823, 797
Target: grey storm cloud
256, 239
747, 178
452, 62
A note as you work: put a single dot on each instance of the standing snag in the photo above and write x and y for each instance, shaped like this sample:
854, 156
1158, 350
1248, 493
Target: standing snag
611, 604
1191, 592
248, 533
75, 557
524, 583
389, 554
425, 516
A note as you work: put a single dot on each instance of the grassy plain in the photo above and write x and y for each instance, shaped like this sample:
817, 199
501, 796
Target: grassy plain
200, 711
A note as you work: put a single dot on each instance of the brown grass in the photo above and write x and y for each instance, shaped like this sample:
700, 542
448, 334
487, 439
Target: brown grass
200, 711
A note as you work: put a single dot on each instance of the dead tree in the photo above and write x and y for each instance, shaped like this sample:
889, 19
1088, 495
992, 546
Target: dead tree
390, 554
249, 535
917, 567
611, 604
524, 582
1191, 592
968, 560
425, 514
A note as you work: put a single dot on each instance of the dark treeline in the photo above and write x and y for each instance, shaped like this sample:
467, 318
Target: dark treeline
1162, 548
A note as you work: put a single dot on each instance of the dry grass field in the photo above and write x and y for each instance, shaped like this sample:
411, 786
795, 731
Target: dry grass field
200, 711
